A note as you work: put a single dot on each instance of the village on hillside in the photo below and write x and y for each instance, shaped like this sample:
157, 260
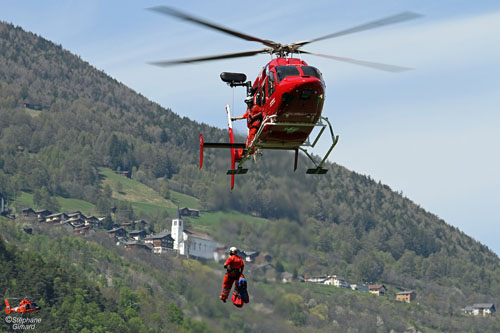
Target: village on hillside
135, 235
200, 246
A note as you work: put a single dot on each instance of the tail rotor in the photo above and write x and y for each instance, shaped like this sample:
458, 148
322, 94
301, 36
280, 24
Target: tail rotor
7, 307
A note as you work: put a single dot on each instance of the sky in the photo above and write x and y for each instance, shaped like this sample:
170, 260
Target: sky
431, 133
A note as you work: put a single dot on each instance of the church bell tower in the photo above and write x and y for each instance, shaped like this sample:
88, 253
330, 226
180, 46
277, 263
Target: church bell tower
177, 232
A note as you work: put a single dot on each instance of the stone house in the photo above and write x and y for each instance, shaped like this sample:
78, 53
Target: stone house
406, 296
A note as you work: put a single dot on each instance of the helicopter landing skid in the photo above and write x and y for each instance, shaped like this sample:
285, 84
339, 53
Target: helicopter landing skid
319, 167
317, 171
270, 121
238, 171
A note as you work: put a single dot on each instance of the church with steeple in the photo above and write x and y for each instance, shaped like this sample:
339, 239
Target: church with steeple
191, 243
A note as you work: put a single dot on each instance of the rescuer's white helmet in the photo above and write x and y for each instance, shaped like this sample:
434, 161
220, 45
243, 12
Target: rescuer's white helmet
233, 250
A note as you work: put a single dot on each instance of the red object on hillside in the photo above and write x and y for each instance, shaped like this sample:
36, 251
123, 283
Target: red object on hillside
25, 306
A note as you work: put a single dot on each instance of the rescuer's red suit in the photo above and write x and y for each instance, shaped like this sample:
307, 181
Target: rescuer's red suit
235, 266
253, 123
254, 119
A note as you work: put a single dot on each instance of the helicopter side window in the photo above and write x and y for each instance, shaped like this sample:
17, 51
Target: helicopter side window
270, 84
257, 98
312, 71
285, 71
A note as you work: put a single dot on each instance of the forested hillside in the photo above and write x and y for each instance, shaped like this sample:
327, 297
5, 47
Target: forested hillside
69, 302
61, 120
90, 285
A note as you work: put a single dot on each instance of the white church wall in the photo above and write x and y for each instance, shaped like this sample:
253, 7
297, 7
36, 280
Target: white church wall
201, 248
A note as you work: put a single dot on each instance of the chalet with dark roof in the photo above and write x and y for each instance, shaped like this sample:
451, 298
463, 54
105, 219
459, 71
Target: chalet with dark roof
124, 173
249, 256
76, 214
93, 222
480, 309
337, 281
56, 218
137, 245
316, 279
75, 220
34, 105
117, 232
41, 214
189, 212
161, 242
82, 229
377, 289
28, 212
137, 234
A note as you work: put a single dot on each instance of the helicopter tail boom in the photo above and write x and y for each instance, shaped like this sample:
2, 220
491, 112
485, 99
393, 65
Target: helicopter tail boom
231, 145
231, 140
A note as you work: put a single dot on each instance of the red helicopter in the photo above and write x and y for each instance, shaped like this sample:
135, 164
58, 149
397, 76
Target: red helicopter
25, 306
286, 99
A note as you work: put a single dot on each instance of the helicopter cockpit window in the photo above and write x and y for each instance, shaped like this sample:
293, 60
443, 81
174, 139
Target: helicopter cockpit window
312, 71
285, 71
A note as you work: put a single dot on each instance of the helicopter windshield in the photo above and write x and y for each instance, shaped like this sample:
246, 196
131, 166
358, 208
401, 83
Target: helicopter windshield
312, 71
285, 71
33, 305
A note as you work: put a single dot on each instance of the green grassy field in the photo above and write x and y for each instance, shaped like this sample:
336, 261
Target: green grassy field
67, 204
145, 199
132, 190
209, 219
183, 200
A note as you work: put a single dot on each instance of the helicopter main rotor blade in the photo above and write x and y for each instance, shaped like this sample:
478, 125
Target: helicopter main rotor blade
186, 17
375, 65
401, 17
208, 58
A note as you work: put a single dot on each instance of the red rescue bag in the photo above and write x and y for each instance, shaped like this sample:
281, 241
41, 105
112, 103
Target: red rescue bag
240, 295
236, 299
